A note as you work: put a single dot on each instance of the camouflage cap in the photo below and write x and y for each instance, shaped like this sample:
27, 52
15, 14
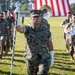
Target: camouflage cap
36, 13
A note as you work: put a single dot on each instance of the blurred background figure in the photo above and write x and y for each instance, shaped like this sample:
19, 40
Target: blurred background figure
64, 24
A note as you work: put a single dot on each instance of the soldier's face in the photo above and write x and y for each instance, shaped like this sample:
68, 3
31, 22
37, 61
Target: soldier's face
36, 20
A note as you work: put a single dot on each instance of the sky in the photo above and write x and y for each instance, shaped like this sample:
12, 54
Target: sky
71, 1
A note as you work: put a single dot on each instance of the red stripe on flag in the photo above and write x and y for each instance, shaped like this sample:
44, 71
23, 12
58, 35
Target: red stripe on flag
58, 7
40, 3
69, 6
35, 4
64, 8
52, 6
46, 2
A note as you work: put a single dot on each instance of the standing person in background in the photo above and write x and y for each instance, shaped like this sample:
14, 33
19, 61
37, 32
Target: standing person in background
70, 37
4, 34
11, 21
64, 24
66, 21
8, 16
38, 48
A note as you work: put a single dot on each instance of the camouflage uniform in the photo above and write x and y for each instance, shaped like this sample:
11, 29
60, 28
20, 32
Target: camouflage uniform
45, 23
3, 32
36, 53
70, 41
10, 40
66, 21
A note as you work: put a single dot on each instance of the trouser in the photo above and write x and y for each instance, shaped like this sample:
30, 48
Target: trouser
3, 45
38, 66
65, 36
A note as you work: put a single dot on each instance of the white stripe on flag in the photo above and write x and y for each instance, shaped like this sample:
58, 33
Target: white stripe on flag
43, 2
66, 5
55, 8
61, 7
38, 4
49, 3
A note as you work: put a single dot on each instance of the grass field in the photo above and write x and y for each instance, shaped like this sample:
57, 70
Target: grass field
62, 63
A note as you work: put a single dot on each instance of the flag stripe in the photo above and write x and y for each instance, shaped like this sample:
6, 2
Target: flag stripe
38, 4
41, 3
52, 7
59, 14
46, 1
69, 6
64, 7
49, 3
59, 7
55, 8
35, 4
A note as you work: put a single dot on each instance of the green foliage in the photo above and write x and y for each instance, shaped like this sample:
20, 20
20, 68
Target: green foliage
24, 6
62, 63
73, 7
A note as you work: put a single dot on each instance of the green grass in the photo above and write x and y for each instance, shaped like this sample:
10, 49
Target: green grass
62, 63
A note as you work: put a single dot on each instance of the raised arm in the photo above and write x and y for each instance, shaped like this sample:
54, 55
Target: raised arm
20, 29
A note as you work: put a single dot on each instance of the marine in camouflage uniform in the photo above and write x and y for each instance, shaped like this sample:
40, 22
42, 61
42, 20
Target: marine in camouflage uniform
70, 39
4, 33
65, 22
11, 21
37, 51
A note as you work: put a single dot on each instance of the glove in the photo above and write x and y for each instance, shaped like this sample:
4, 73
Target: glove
51, 58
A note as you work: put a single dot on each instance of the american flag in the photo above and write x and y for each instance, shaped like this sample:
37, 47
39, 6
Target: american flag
59, 7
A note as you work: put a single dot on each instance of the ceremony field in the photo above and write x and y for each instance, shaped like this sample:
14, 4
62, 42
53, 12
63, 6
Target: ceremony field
62, 63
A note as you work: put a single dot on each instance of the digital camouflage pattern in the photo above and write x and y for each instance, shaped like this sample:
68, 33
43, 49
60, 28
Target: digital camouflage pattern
3, 33
66, 21
36, 52
45, 23
3, 27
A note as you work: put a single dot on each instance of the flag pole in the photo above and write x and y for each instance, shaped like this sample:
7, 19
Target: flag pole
14, 39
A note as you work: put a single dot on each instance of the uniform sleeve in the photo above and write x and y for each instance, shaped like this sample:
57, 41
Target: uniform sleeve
7, 24
63, 22
26, 29
49, 36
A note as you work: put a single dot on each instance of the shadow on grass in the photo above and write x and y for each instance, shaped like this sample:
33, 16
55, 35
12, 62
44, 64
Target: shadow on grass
62, 61
53, 74
64, 68
16, 55
61, 54
19, 51
1, 63
15, 60
22, 61
6, 73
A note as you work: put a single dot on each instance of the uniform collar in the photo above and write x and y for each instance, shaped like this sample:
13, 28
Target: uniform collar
35, 28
